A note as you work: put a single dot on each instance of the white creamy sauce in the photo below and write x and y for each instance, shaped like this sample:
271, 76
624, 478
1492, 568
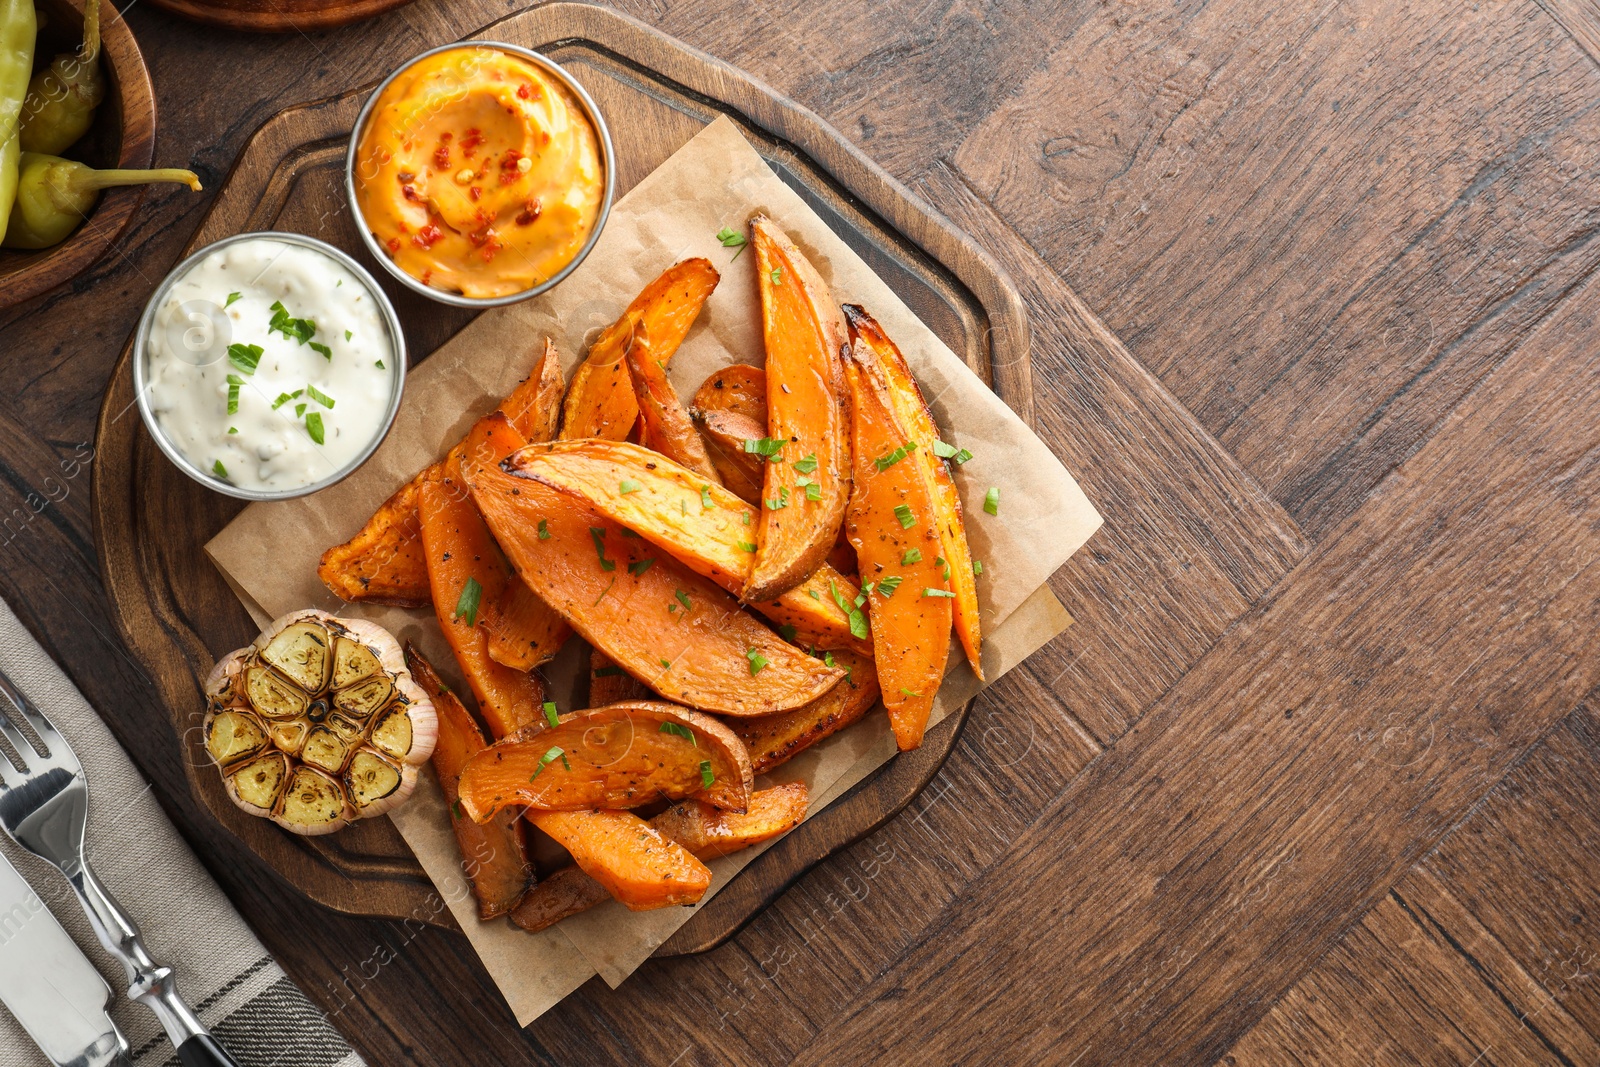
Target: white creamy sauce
269, 442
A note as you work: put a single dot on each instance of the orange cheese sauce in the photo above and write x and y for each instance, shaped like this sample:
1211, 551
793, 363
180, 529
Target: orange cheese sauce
479, 173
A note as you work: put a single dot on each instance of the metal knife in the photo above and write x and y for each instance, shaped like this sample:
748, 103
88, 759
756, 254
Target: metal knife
49, 985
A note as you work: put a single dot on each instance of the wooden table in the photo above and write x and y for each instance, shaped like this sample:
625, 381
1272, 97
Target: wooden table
1313, 778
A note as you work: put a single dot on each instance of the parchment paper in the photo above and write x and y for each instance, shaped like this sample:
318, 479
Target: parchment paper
269, 553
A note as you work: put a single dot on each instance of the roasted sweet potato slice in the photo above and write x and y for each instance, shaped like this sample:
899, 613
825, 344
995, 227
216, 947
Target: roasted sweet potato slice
775, 739
703, 526
619, 756
565, 892
383, 563
609, 683
710, 832
667, 426
600, 402
738, 388
464, 570
672, 629
724, 434
492, 852
911, 412
636, 863
805, 492
706, 832
894, 528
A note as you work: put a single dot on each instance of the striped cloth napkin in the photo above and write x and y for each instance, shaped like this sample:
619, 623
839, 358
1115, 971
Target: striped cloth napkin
223, 971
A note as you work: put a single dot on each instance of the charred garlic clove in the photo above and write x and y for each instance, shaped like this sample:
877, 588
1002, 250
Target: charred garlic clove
318, 723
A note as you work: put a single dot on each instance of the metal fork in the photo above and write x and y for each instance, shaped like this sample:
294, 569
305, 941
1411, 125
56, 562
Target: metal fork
44, 808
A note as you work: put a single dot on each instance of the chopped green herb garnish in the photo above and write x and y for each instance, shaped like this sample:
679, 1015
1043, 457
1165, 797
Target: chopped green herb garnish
637, 569
625, 532
807, 465
909, 692
770, 447
977, 566
747, 546
747, 518
681, 730
598, 533
245, 357
730, 239
776, 275
467, 603
705, 496
887, 586
609, 584
682, 598
904, 514
814, 594
787, 631
233, 429
234, 382
348, 334
883, 463
219, 470
314, 426
944, 451
757, 661
300, 410
628, 485
284, 398
781, 500
318, 346
550, 715
548, 758
937, 592
609, 672
991, 500
706, 777
910, 556
298, 330
858, 620
379, 364
666, 664
231, 298
944, 566
456, 808
319, 396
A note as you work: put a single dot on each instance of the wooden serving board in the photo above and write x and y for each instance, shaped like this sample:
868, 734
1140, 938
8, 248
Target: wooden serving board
151, 522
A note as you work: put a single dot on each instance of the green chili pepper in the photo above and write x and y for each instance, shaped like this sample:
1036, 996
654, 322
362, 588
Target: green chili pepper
18, 28
55, 195
61, 99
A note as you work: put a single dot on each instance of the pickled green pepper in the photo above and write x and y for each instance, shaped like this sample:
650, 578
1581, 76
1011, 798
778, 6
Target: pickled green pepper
62, 97
18, 30
54, 196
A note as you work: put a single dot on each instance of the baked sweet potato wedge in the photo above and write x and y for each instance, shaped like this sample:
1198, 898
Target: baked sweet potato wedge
667, 426
706, 832
773, 740
911, 412
565, 892
492, 852
805, 491
675, 631
465, 568
701, 524
600, 401
636, 863
739, 388
384, 562
725, 434
609, 683
894, 527
619, 756
709, 832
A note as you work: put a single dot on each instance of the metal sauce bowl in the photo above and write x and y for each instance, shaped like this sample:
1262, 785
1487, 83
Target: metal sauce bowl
141, 358
607, 160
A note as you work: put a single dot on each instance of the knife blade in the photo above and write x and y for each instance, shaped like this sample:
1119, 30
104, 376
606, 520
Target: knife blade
50, 985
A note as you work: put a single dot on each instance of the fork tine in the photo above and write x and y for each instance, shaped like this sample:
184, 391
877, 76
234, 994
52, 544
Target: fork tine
10, 775
60, 751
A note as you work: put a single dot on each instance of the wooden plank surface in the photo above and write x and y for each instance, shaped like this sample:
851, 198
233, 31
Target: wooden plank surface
1354, 240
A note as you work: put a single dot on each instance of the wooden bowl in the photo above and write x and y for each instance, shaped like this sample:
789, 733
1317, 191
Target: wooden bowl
278, 16
123, 135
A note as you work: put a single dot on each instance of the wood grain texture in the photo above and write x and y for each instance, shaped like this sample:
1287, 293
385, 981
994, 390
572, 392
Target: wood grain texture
1486, 114
123, 135
1377, 671
279, 16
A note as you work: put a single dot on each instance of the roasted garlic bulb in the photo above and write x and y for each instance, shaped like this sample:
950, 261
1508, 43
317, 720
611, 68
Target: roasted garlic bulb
318, 723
